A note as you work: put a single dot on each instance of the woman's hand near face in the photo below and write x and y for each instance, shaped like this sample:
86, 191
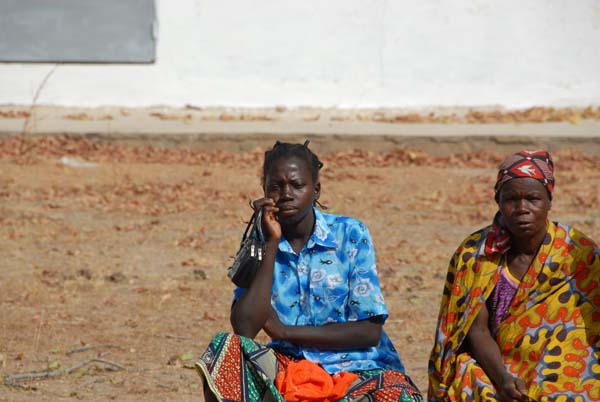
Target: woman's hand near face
270, 223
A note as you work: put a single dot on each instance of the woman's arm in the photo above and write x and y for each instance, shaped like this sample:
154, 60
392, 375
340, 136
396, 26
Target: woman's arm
250, 312
486, 352
334, 336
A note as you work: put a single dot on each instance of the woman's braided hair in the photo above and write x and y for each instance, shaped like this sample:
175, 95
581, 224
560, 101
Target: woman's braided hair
287, 150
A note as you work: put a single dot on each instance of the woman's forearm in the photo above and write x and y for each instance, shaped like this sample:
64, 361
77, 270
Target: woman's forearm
250, 312
486, 351
348, 335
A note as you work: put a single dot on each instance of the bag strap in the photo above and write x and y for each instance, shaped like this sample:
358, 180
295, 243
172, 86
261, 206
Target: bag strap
250, 223
256, 224
257, 228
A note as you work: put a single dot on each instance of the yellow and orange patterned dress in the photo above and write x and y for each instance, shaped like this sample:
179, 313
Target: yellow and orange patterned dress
551, 338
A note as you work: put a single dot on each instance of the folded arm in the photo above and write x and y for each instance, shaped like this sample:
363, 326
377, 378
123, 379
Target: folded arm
334, 336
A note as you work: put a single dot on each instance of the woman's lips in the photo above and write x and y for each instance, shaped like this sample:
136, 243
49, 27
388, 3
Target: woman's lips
286, 210
524, 224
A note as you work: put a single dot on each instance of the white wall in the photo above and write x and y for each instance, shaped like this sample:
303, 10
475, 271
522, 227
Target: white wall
344, 53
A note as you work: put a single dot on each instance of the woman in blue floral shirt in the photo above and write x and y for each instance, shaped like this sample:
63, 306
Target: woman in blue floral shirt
318, 297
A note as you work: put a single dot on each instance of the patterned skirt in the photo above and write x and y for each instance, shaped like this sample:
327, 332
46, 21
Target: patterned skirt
236, 368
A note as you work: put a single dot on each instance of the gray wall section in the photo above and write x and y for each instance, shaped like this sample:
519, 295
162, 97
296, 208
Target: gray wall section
107, 31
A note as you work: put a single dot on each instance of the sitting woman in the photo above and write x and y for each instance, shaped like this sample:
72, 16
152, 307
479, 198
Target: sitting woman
520, 312
316, 294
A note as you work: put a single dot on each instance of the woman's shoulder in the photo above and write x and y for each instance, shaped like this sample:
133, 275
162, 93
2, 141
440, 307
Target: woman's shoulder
475, 240
470, 249
578, 248
576, 237
336, 221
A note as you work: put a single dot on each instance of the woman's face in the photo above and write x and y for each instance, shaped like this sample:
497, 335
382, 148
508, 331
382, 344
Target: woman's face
524, 204
289, 183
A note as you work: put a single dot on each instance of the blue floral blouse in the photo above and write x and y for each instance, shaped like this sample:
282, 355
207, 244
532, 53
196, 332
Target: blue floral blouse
332, 279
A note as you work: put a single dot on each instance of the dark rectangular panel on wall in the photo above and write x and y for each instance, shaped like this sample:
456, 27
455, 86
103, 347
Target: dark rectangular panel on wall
78, 31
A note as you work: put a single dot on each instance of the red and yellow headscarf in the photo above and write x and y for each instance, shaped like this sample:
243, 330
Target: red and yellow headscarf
534, 164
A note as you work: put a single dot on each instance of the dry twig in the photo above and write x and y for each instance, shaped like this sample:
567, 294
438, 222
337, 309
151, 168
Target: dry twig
14, 379
90, 347
35, 98
181, 338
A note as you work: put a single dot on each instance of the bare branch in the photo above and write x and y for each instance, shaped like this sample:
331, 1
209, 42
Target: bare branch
90, 347
35, 98
14, 379
181, 338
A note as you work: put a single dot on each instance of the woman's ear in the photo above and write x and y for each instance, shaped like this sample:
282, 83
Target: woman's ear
317, 190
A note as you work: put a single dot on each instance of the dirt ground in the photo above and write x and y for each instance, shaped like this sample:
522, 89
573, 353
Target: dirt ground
123, 258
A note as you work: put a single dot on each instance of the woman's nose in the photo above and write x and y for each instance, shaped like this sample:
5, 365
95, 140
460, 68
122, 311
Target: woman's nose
522, 205
286, 191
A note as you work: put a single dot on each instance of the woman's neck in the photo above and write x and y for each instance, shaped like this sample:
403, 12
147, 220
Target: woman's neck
298, 234
527, 246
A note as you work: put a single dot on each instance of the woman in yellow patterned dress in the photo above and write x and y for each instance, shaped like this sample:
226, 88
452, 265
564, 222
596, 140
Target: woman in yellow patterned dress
520, 312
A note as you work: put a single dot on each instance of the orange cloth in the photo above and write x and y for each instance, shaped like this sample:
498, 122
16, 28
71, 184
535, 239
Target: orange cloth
305, 381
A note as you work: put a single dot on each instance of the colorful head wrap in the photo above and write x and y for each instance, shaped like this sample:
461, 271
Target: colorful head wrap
535, 164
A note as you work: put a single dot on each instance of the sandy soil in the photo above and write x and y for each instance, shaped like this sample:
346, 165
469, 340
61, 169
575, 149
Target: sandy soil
125, 260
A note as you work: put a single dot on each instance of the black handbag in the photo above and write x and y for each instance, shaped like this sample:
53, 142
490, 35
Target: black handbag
251, 252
